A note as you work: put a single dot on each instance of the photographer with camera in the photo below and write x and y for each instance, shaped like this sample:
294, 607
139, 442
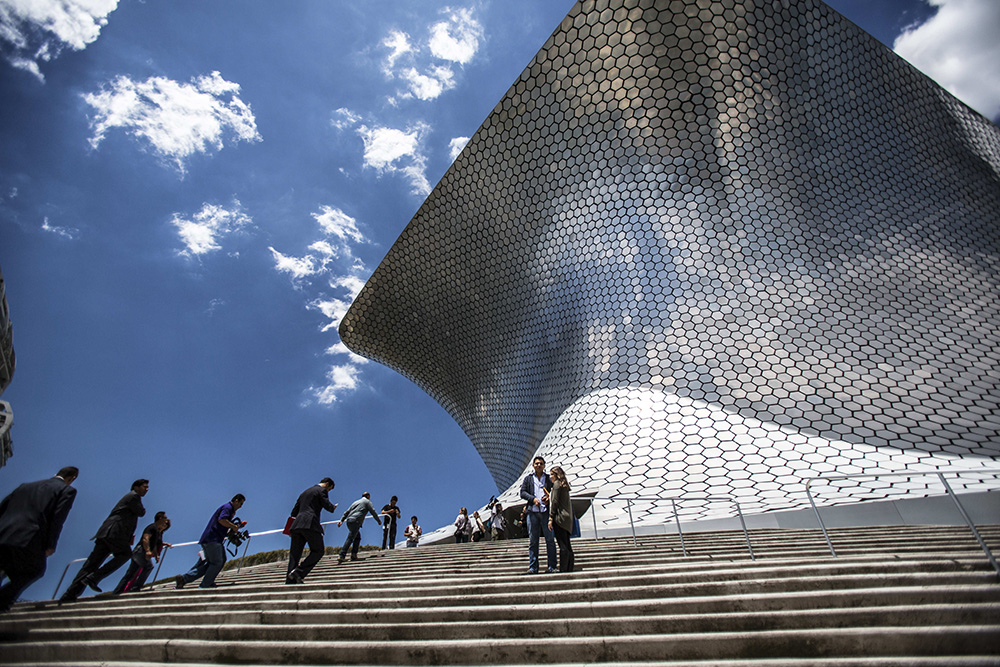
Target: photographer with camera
219, 527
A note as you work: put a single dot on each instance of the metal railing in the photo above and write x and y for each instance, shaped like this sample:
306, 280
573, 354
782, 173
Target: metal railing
163, 554
675, 513
938, 473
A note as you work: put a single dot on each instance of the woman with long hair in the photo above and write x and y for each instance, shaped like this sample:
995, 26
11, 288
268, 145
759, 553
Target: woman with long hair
561, 517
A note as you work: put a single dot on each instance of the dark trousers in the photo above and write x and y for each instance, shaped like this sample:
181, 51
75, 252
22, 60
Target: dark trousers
316, 550
389, 534
92, 570
135, 576
353, 541
21, 566
565, 548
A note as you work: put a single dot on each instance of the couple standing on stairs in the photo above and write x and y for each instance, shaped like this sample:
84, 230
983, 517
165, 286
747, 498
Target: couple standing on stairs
549, 513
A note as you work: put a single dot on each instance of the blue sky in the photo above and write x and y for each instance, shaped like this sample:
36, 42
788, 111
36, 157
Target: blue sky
192, 192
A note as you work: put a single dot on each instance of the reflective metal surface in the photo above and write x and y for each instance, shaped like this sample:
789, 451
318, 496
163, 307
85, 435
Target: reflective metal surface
708, 247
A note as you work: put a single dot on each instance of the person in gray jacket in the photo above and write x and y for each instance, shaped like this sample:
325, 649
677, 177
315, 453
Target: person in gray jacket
355, 517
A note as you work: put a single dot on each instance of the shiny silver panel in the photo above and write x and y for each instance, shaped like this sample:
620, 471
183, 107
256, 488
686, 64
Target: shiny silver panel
707, 247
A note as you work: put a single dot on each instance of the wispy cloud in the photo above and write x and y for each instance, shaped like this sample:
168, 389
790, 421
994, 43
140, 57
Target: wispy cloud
332, 259
202, 232
958, 47
390, 150
65, 232
177, 120
36, 31
426, 67
343, 119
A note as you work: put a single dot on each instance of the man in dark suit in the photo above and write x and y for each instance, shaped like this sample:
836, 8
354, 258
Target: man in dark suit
31, 518
306, 528
114, 537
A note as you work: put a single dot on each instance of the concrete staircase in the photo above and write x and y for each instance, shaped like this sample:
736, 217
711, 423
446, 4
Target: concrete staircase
895, 596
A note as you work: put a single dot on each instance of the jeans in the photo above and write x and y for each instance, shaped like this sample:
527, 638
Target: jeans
353, 541
209, 567
538, 523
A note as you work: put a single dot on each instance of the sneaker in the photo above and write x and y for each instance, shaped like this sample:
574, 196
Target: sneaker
179, 581
551, 570
340, 560
532, 572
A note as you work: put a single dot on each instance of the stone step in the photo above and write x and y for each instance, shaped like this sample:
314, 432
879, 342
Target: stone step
330, 611
542, 628
870, 642
719, 582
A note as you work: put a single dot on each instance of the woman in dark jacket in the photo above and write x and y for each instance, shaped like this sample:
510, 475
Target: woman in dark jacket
561, 517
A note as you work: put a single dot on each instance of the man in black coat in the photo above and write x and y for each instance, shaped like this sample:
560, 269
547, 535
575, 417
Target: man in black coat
114, 537
306, 528
31, 518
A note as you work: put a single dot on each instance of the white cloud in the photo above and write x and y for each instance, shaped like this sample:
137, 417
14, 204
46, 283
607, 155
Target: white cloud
457, 38
339, 224
331, 256
959, 48
431, 85
37, 30
65, 232
456, 145
176, 119
334, 309
390, 150
202, 232
297, 267
398, 43
343, 119
340, 379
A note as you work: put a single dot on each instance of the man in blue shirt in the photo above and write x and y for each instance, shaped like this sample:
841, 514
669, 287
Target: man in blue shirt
355, 516
211, 545
535, 491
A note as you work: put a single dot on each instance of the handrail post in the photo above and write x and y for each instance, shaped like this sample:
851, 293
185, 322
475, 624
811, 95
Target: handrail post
163, 555
628, 503
593, 514
65, 570
244, 557
972, 526
680, 533
819, 518
744, 524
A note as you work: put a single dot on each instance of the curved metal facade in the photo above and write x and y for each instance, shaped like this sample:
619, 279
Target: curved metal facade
707, 247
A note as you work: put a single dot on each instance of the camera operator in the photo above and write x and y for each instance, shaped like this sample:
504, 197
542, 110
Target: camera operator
211, 545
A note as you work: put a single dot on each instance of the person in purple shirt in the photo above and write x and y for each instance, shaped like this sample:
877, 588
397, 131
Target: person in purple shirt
211, 545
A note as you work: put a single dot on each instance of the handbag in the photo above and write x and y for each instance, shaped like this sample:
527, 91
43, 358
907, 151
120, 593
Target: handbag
576, 528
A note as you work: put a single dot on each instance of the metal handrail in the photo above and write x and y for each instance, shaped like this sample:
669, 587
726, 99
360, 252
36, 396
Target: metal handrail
163, 554
673, 501
938, 473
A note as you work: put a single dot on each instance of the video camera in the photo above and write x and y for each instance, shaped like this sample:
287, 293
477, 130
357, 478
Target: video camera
237, 536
